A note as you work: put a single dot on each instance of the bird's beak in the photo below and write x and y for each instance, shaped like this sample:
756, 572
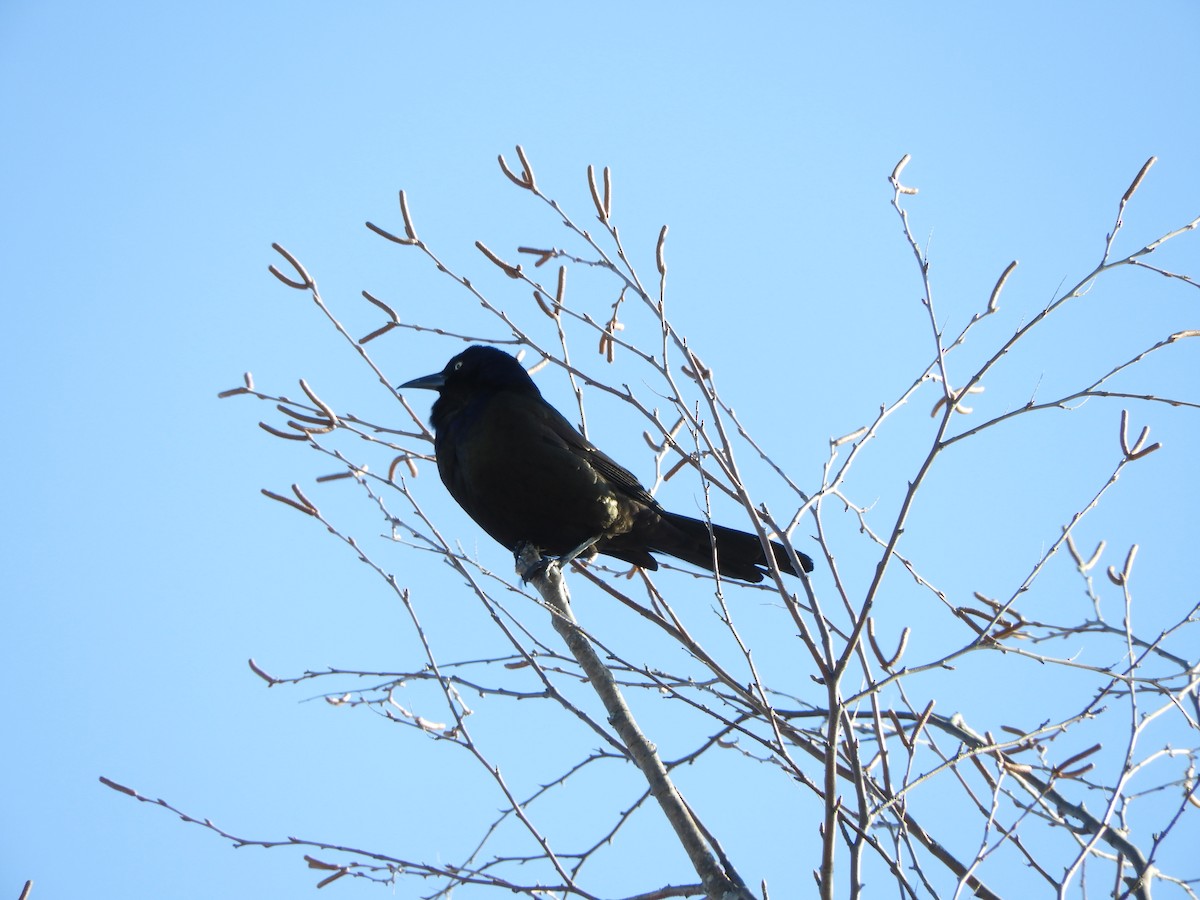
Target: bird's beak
434, 382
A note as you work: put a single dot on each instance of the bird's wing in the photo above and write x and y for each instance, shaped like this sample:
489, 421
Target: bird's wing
617, 476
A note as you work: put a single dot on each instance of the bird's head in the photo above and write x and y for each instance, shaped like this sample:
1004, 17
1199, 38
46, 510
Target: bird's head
476, 372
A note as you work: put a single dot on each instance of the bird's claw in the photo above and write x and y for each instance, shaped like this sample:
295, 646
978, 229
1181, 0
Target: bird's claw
530, 562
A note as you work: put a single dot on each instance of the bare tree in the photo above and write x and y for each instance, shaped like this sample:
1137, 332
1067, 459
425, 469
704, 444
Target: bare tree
1096, 786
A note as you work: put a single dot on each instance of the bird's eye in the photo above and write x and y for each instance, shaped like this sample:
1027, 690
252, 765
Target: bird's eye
458, 365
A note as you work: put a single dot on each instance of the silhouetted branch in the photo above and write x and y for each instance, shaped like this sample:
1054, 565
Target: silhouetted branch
888, 785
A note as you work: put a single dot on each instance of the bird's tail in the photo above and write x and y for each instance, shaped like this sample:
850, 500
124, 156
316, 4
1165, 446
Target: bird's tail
739, 555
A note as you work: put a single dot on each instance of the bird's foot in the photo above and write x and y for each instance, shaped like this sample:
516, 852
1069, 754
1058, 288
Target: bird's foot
530, 562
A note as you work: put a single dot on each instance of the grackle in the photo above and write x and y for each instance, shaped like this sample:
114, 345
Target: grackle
524, 474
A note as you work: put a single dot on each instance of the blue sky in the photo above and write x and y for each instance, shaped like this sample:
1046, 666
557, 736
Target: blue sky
152, 154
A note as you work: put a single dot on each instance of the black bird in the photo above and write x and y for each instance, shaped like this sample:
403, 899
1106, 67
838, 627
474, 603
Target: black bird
524, 474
